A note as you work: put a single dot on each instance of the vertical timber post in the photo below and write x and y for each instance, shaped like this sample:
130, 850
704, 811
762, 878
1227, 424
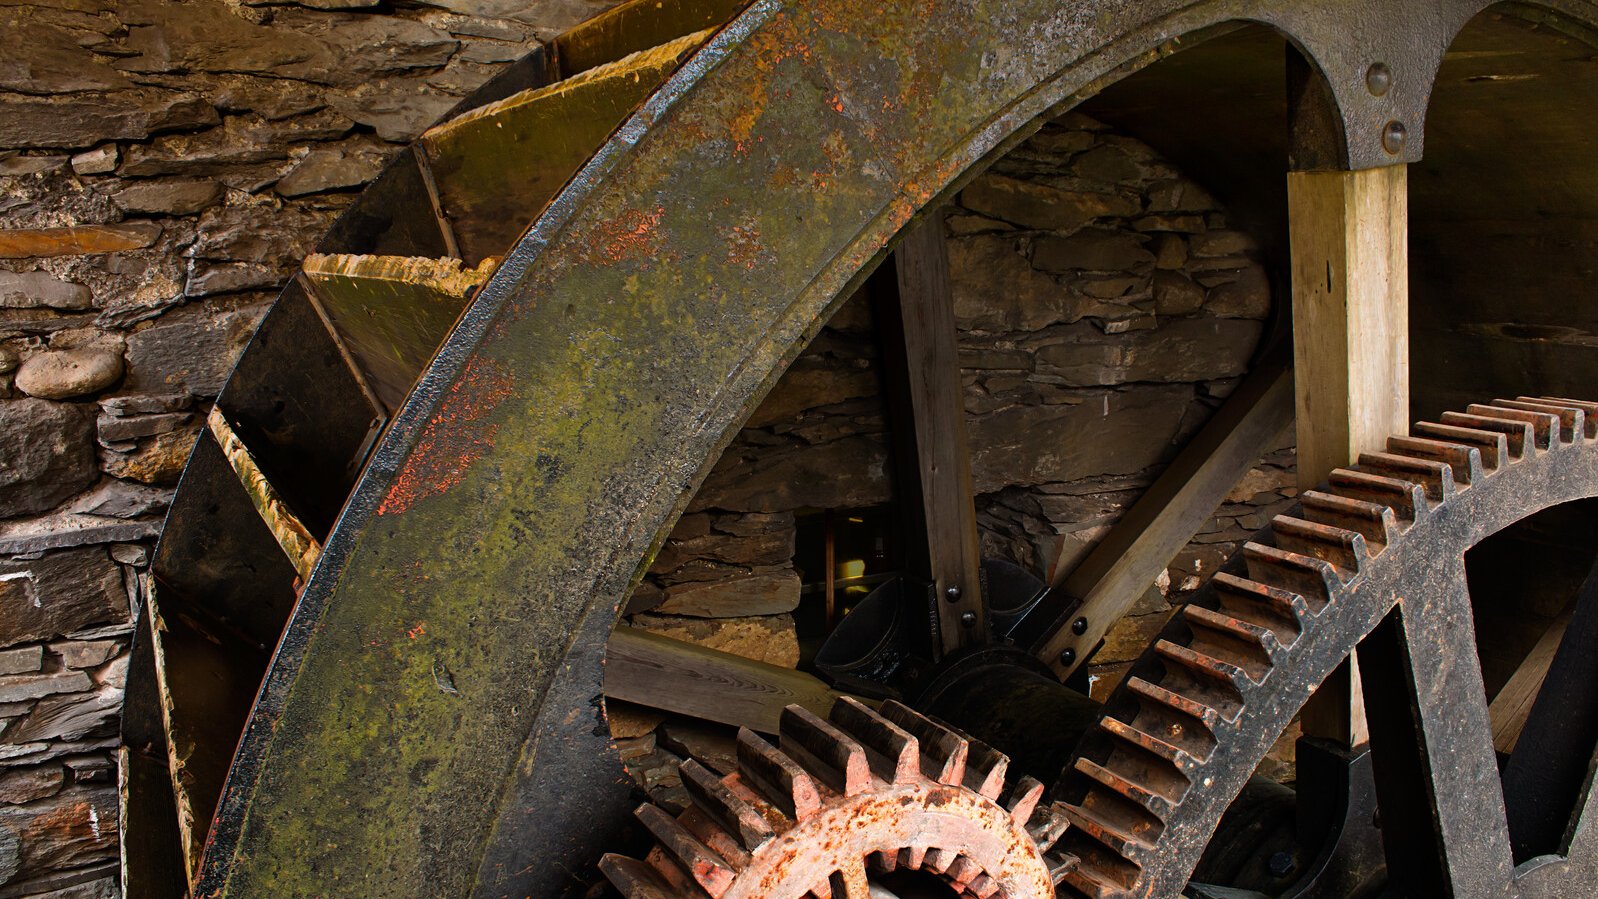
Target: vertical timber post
921, 380
1350, 275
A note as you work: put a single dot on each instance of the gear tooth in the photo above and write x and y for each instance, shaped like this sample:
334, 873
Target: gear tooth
1573, 420
830, 755
1092, 883
1248, 647
1286, 614
1343, 548
635, 879
1109, 834
1046, 826
886, 862
1522, 436
1147, 798
1373, 521
1545, 426
703, 864
1206, 717
1221, 683
1060, 864
1406, 498
1436, 477
986, 769
963, 870
938, 860
1493, 446
893, 752
778, 778
1180, 760
731, 813
944, 751
1463, 460
1310, 578
1588, 409
1024, 800
913, 857
982, 886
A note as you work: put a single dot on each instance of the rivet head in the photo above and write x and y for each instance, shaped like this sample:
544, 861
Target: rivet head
1393, 137
1378, 79
968, 619
952, 594
1281, 864
1079, 626
1067, 656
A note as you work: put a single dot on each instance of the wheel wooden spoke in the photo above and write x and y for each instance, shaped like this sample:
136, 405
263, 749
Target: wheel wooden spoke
921, 382
1547, 778
680, 677
1442, 808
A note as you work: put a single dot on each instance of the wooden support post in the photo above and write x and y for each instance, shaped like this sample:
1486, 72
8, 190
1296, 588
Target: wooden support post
921, 375
1350, 271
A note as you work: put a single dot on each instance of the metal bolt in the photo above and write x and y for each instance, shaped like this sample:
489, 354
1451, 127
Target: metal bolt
968, 619
1067, 656
1079, 626
1378, 79
1393, 137
1281, 864
952, 594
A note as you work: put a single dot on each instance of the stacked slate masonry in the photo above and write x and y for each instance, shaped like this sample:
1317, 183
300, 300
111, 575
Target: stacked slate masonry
164, 166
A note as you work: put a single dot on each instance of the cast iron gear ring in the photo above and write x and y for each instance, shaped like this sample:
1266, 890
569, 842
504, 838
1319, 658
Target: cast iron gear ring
866, 789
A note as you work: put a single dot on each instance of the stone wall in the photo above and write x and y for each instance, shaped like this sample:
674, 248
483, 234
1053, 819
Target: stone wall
163, 166
1105, 309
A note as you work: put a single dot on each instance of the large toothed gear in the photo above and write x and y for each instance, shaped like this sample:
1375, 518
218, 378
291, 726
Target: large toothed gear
840, 799
1382, 543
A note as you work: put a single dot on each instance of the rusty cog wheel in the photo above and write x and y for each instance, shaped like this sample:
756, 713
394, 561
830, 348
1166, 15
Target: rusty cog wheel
885, 791
1374, 560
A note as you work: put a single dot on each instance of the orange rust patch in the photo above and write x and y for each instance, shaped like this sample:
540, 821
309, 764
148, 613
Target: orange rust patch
633, 235
456, 437
743, 245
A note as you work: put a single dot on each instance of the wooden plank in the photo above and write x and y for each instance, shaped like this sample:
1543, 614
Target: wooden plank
926, 404
392, 312
496, 167
207, 679
1510, 708
1123, 565
301, 548
674, 676
1350, 275
150, 853
637, 25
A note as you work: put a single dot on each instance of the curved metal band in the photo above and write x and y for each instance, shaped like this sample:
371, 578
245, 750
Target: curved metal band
427, 673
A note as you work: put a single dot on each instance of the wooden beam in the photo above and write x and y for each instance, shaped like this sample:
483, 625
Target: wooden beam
1512, 706
1350, 275
926, 404
1099, 590
297, 543
674, 676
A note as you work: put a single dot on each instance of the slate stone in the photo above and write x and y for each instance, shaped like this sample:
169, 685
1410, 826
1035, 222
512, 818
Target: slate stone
332, 168
1222, 243
1121, 433
211, 279
759, 594
65, 374
97, 161
273, 98
65, 530
1176, 294
1170, 252
58, 594
768, 638
116, 429
169, 197
192, 354
996, 289
1092, 249
18, 687
1040, 206
27, 785
276, 238
241, 141
55, 462
75, 828
69, 718
1182, 350
26, 660
158, 460
80, 654
93, 119
77, 240
41, 289
53, 63
397, 114
794, 478
1247, 297
810, 386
